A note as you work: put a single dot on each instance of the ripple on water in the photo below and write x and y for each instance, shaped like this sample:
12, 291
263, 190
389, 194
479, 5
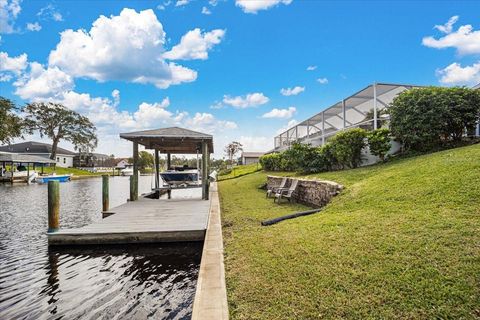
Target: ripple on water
107, 282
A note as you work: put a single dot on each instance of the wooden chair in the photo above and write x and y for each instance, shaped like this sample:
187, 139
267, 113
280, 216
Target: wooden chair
273, 190
286, 193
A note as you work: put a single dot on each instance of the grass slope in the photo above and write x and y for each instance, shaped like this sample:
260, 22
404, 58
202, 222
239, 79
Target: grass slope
402, 241
239, 171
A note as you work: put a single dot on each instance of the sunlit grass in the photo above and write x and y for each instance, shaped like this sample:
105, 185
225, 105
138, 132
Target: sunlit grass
239, 171
401, 241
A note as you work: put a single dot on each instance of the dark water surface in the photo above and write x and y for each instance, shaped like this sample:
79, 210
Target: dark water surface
94, 282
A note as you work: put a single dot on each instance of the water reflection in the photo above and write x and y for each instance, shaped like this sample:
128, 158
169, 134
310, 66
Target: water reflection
113, 282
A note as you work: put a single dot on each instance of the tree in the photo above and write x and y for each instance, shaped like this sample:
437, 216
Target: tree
379, 142
232, 149
57, 122
145, 160
427, 118
12, 125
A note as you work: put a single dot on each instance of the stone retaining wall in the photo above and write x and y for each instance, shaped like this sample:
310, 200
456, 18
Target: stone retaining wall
315, 193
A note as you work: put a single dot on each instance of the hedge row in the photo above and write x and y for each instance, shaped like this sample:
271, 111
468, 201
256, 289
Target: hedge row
344, 150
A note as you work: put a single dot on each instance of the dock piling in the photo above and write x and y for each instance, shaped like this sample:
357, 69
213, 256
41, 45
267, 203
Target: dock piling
53, 206
105, 198
133, 188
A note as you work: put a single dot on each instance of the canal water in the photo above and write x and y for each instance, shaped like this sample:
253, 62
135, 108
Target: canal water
114, 282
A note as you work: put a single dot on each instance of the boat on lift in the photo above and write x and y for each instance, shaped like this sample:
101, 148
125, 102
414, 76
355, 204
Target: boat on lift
181, 176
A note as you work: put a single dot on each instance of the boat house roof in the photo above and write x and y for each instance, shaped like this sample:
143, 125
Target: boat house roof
23, 158
171, 140
34, 147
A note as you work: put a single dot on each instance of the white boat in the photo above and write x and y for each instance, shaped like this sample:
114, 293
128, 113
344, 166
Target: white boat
128, 171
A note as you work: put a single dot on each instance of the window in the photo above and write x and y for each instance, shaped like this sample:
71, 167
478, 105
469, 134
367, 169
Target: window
58, 159
64, 160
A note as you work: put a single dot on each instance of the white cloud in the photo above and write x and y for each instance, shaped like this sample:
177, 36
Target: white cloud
322, 80
116, 97
465, 40
447, 27
253, 6
206, 122
217, 105
181, 3
311, 68
127, 47
280, 113
9, 10
289, 125
195, 45
250, 100
292, 91
206, 11
455, 74
13, 64
50, 12
256, 143
42, 83
5, 77
34, 26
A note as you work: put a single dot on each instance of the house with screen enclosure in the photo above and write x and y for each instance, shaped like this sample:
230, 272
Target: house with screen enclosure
364, 109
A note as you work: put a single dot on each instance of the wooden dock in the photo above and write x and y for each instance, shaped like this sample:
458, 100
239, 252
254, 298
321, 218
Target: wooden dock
183, 218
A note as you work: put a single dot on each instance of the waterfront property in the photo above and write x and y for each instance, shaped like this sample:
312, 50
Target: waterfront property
63, 159
363, 109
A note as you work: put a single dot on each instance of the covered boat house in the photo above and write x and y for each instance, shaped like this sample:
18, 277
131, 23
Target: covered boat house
173, 140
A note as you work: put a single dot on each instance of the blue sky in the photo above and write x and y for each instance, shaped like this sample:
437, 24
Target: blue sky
220, 66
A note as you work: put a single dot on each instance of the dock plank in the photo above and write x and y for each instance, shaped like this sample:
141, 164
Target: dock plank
144, 220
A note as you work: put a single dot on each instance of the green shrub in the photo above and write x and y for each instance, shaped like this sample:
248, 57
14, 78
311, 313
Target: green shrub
423, 119
271, 162
379, 142
300, 157
346, 147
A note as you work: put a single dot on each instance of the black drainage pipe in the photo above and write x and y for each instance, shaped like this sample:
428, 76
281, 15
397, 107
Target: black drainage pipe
289, 216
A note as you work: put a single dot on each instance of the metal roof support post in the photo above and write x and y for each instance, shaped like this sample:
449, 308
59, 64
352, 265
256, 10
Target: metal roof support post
344, 114
308, 129
323, 128
157, 169
375, 106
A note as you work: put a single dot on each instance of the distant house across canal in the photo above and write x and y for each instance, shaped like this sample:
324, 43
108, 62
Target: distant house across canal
63, 159
251, 157
92, 160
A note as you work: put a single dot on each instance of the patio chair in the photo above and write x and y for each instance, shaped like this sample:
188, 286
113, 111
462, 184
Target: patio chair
273, 190
286, 193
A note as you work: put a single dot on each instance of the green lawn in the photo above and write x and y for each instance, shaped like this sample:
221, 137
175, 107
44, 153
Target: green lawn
239, 171
402, 241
